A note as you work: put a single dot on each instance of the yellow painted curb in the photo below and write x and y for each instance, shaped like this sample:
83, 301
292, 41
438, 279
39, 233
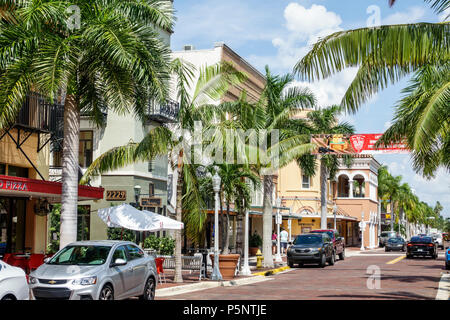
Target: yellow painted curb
396, 260
272, 271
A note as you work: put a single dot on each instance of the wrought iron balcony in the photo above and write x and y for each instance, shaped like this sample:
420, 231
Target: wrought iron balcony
164, 113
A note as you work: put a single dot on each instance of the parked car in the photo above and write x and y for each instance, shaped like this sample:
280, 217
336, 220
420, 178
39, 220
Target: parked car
91, 270
437, 237
447, 258
421, 246
338, 241
13, 283
311, 248
384, 236
395, 244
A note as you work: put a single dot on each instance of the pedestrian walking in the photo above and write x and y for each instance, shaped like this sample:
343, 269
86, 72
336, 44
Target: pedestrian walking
274, 242
284, 235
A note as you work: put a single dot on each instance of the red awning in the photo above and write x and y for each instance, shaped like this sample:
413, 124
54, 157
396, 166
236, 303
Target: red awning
24, 187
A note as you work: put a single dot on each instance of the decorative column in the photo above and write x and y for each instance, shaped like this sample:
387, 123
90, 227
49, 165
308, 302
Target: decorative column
245, 270
350, 192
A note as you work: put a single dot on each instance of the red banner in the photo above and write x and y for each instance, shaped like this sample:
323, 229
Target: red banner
354, 144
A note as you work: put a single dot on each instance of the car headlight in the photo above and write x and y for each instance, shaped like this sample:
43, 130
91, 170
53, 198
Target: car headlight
32, 280
316, 250
85, 281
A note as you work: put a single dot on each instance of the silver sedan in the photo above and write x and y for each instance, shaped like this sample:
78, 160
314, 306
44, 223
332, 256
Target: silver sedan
91, 270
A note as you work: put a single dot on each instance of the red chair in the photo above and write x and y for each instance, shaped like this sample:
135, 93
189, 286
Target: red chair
159, 268
20, 262
35, 261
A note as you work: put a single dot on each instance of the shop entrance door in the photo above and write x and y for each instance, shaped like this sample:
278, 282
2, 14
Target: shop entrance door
12, 224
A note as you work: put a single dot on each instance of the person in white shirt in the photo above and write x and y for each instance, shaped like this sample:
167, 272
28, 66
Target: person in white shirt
284, 235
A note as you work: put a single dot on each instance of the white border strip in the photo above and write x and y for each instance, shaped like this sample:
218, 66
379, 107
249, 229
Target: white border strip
444, 287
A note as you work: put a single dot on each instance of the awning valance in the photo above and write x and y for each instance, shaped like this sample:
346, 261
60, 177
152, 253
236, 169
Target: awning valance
25, 187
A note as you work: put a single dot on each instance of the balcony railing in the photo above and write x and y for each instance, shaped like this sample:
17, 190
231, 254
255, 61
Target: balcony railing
164, 113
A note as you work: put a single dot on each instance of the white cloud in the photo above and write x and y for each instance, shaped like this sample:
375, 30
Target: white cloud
310, 21
413, 14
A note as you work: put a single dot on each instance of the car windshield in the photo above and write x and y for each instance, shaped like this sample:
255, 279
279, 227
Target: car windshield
388, 234
421, 240
81, 255
329, 233
395, 240
308, 239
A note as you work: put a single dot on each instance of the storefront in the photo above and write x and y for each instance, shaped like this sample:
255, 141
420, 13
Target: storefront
24, 206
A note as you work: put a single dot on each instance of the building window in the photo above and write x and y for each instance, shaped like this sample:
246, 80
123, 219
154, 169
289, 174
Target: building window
85, 151
306, 182
57, 158
2, 169
14, 171
151, 190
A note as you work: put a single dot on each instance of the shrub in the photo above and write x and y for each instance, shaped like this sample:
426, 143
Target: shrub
255, 241
163, 245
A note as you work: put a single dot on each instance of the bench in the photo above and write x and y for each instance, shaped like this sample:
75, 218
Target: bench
191, 263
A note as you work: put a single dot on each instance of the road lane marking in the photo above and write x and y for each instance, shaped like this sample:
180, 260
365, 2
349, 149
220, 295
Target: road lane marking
444, 288
396, 260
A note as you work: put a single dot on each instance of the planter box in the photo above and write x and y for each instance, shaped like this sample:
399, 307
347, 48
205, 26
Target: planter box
252, 251
227, 264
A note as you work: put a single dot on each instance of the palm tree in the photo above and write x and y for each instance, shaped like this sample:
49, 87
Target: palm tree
113, 59
325, 121
388, 190
233, 180
384, 55
280, 101
213, 82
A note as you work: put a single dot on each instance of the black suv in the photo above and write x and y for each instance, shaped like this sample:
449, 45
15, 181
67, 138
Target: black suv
311, 248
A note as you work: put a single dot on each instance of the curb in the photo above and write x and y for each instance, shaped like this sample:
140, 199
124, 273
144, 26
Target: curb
444, 287
272, 271
172, 291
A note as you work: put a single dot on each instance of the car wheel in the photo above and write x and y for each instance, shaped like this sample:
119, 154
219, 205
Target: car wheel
8, 298
323, 261
342, 255
290, 264
332, 259
107, 293
447, 266
408, 256
149, 290
300, 265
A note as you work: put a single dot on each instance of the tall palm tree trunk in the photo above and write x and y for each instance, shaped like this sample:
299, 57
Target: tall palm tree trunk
323, 194
392, 215
69, 193
267, 221
221, 225
226, 245
178, 278
239, 233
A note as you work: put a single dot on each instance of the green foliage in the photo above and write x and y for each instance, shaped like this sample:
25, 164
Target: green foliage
162, 245
121, 234
255, 241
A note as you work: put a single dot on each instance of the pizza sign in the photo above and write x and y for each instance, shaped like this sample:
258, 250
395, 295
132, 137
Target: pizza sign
13, 185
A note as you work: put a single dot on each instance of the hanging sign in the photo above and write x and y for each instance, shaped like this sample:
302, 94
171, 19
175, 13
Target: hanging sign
354, 144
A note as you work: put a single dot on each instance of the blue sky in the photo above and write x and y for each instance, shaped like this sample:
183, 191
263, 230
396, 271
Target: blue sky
280, 32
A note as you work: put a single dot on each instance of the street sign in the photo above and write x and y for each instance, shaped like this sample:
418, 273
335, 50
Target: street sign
151, 202
278, 218
289, 223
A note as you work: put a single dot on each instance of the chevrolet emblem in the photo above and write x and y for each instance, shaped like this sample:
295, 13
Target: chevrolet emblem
52, 282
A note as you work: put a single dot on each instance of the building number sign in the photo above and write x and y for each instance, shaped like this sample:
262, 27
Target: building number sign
116, 195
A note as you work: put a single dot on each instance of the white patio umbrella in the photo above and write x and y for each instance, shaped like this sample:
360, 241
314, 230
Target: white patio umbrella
128, 217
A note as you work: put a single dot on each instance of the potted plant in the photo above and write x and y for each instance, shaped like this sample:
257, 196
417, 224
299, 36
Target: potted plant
254, 243
227, 264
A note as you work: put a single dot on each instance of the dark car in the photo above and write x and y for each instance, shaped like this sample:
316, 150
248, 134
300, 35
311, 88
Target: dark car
395, 244
338, 241
311, 248
422, 246
385, 236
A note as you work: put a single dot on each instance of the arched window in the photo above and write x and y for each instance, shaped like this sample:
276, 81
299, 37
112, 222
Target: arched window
359, 185
343, 186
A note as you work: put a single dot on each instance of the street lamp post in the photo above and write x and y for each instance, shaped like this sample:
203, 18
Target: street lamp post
137, 193
278, 222
216, 275
362, 226
245, 270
